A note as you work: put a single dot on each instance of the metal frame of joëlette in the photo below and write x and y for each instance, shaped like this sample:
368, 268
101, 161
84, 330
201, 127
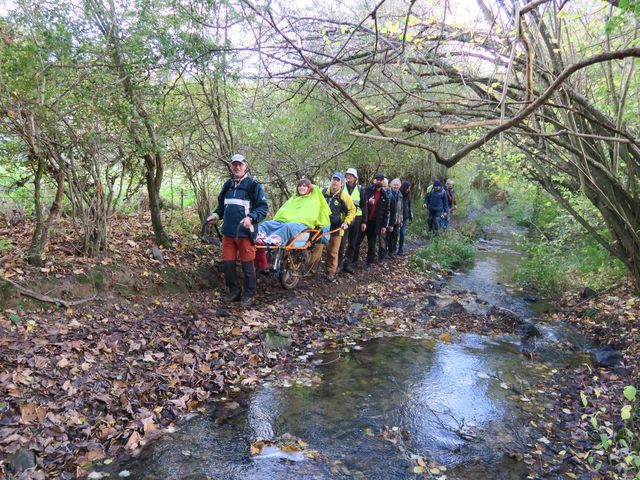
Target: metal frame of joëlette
315, 234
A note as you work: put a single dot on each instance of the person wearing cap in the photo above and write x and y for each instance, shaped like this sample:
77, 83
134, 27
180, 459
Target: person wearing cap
242, 204
437, 203
377, 215
350, 245
343, 211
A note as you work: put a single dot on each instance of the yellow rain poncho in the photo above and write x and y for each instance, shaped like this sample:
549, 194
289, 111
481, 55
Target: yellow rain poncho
311, 210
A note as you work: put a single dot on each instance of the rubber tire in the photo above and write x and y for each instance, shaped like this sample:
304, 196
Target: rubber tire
288, 278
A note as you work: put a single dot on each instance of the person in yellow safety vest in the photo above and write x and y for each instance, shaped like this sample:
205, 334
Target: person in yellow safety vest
343, 211
350, 246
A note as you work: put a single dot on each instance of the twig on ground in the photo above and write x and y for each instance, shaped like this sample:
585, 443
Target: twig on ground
45, 298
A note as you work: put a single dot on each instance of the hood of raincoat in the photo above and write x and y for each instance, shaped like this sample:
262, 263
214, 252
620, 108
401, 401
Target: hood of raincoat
311, 209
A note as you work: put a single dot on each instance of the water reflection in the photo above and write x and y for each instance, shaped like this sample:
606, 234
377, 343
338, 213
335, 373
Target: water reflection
457, 405
444, 399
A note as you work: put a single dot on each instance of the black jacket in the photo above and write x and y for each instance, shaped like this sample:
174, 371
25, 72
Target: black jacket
382, 209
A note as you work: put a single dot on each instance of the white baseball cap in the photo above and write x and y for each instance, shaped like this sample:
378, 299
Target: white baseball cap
238, 158
352, 171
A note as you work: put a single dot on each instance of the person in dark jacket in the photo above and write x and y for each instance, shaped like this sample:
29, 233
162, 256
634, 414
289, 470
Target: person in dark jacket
350, 247
395, 217
242, 204
453, 205
437, 203
383, 242
407, 214
377, 215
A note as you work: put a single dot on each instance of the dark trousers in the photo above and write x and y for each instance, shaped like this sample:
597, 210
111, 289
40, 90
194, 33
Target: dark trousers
393, 239
373, 233
350, 246
435, 222
403, 233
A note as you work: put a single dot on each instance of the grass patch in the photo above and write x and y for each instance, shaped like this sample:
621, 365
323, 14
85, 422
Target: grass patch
449, 250
542, 271
553, 268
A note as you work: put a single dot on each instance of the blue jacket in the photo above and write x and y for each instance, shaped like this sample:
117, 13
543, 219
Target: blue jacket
437, 201
237, 202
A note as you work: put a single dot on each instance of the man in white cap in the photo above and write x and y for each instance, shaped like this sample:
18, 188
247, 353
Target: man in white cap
353, 238
242, 204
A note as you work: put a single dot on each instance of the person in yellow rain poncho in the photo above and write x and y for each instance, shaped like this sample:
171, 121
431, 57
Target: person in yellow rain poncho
307, 208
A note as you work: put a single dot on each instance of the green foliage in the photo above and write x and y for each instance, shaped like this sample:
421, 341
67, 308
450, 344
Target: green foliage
558, 250
542, 270
617, 447
471, 194
5, 244
623, 18
448, 250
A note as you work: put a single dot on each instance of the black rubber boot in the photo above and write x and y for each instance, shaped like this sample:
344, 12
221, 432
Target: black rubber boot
231, 280
347, 267
249, 281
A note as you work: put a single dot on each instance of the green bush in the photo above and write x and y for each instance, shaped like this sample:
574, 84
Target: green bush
542, 270
448, 250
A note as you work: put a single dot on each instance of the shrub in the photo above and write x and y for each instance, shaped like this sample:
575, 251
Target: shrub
448, 250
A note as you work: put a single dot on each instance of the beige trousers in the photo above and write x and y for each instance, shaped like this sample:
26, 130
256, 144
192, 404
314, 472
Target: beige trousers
333, 248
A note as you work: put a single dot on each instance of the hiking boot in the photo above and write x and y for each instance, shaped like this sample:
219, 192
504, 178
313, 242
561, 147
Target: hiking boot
331, 277
233, 296
247, 301
347, 268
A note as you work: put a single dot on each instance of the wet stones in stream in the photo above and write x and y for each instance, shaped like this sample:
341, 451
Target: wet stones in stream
451, 310
398, 303
275, 340
505, 315
355, 311
606, 357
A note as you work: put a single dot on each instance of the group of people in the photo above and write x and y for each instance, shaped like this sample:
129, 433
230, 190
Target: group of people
440, 203
379, 212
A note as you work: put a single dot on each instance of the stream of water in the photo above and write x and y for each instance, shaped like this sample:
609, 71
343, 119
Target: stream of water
381, 410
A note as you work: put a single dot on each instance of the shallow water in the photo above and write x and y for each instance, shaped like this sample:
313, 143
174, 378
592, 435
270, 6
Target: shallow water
446, 398
459, 406
491, 277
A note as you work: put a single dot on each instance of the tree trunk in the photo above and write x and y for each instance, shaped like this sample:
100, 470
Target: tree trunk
154, 181
35, 252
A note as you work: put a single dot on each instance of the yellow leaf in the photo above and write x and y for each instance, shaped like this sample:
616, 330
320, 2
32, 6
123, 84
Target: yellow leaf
256, 448
419, 469
445, 337
28, 412
133, 442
